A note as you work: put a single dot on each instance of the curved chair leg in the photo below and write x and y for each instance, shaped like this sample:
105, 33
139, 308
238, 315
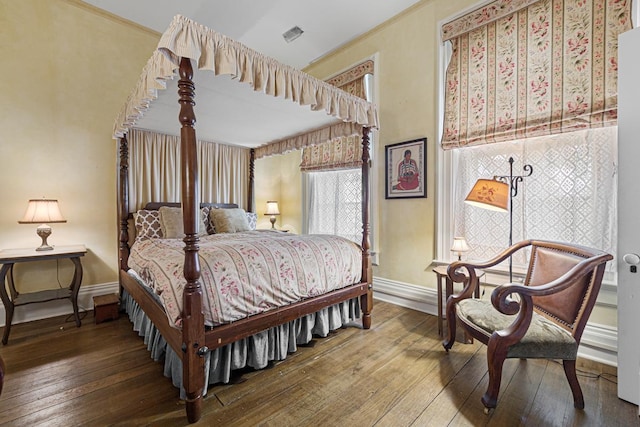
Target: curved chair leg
570, 372
495, 360
451, 322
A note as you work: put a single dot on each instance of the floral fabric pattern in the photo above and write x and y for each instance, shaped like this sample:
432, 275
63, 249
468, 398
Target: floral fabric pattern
549, 67
482, 16
247, 273
344, 152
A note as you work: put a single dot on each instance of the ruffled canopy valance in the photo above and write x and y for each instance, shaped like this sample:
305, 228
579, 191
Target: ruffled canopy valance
314, 137
223, 56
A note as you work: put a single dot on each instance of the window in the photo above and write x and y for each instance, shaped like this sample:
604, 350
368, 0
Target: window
333, 198
335, 205
569, 197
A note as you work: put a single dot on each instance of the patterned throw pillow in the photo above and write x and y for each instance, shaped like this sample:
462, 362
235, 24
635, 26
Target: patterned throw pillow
252, 219
205, 218
147, 225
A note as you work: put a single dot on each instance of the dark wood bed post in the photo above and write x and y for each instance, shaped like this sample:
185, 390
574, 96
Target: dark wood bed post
123, 205
252, 164
193, 338
366, 300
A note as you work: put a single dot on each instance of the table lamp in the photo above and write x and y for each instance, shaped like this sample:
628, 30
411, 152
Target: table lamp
459, 246
272, 209
42, 211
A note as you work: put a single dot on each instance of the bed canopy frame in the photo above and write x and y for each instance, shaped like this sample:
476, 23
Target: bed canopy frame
322, 112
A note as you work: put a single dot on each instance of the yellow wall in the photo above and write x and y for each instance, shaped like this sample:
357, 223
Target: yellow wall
406, 50
278, 178
67, 71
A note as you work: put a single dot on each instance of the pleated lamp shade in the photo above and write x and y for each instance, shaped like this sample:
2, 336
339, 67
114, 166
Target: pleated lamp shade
43, 212
459, 245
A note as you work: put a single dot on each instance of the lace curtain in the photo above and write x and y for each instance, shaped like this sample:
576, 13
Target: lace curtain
336, 203
571, 195
522, 68
154, 170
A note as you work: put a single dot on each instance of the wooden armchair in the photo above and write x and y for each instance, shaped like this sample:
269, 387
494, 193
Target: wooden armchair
542, 318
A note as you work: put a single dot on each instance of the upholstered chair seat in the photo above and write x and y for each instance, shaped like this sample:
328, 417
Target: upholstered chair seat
543, 340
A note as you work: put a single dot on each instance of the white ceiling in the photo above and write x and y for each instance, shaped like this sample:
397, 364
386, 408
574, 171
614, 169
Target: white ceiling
259, 24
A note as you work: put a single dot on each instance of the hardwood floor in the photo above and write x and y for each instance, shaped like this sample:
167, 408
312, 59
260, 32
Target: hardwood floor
395, 374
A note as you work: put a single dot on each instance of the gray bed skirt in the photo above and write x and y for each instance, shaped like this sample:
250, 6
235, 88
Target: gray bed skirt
255, 351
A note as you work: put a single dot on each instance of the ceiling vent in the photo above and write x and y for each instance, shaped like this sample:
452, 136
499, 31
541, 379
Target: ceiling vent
292, 34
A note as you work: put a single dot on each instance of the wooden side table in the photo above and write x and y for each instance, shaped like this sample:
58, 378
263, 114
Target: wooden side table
441, 273
10, 257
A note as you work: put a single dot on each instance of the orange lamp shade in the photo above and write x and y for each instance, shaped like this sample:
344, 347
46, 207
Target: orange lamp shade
489, 194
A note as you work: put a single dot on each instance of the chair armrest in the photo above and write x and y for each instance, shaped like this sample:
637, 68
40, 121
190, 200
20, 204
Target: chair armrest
524, 308
493, 261
456, 273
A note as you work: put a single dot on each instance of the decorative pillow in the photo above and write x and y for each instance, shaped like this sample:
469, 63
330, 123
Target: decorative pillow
172, 225
205, 218
147, 225
229, 220
252, 219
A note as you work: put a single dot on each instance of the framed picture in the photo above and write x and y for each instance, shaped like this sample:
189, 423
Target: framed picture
405, 172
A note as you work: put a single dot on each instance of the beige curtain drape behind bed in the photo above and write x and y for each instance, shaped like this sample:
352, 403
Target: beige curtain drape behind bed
154, 170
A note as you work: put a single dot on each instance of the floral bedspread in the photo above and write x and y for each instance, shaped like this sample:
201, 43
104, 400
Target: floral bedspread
248, 273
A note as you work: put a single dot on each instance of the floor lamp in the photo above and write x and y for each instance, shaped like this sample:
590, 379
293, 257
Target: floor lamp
497, 194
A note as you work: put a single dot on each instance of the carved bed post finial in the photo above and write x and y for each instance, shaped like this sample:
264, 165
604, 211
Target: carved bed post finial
123, 204
366, 301
252, 163
193, 339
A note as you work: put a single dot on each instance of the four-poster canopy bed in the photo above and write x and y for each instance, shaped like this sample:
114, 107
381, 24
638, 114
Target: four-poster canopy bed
283, 109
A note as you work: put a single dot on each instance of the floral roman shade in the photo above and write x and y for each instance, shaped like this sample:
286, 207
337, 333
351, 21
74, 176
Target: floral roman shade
343, 152
523, 68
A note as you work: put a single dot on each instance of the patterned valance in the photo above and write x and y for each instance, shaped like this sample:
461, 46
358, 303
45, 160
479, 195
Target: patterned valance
482, 16
550, 67
307, 139
344, 152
